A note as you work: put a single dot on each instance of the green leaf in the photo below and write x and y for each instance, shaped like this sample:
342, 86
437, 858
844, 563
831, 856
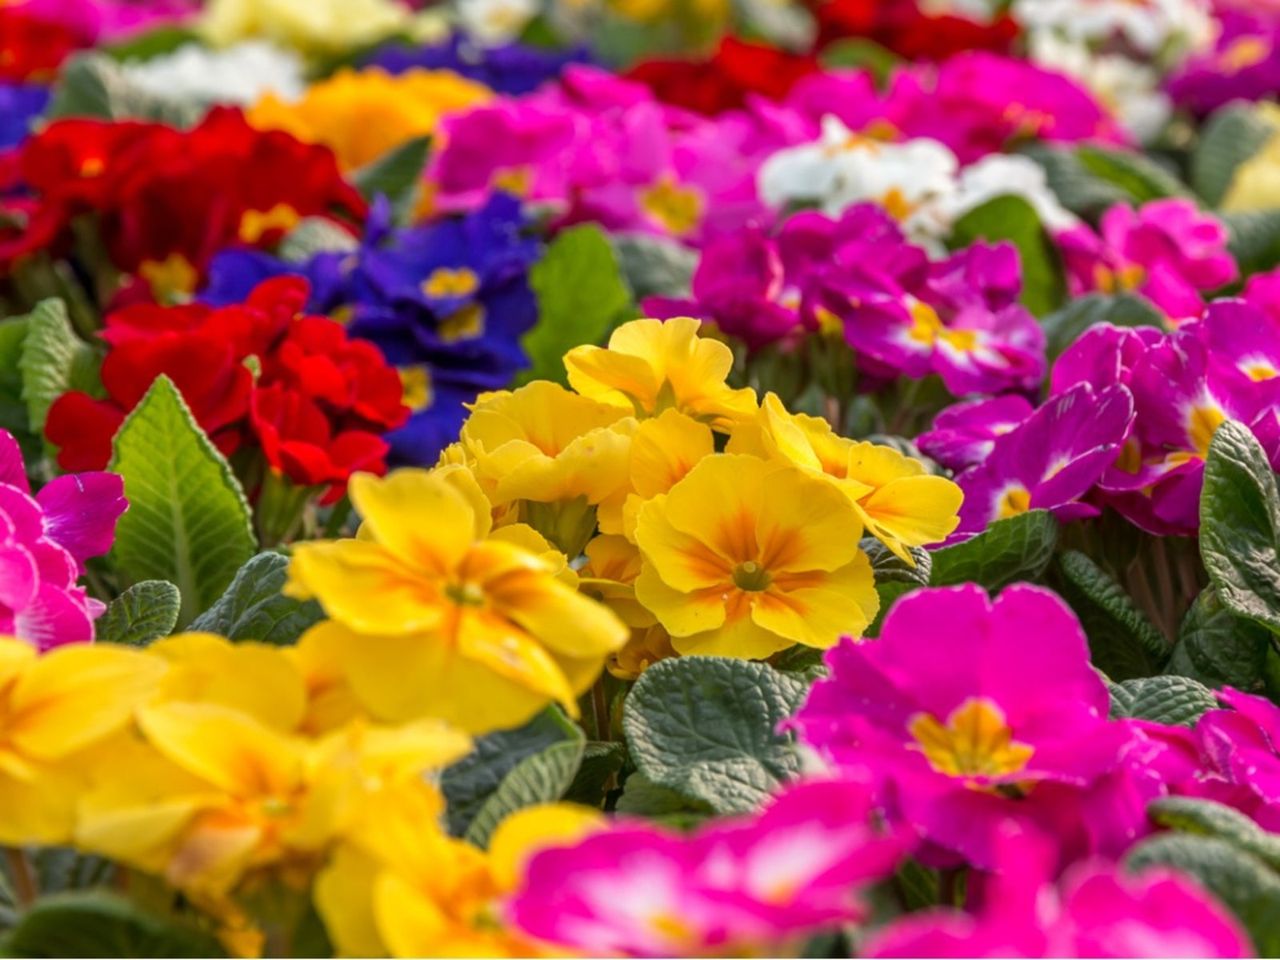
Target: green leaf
468, 783
50, 354
1255, 239
1241, 881
144, 613
641, 797
1016, 548
581, 295
1220, 649
600, 762
1229, 138
1177, 701
396, 175
1239, 521
1208, 818
153, 43
706, 727
95, 923
654, 266
1063, 327
541, 778
13, 410
1079, 191
863, 54
1013, 219
1136, 174
1123, 643
253, 607
188, 521
315, 235
93, 85
888, 567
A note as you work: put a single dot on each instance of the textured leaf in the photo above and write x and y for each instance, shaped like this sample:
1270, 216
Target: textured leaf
315, 235
641, 797
1136, 174
1123, 643
145, 612
253, 608
1229, 138
1239, 521
1238, 879
1255, 239
1013, 219
187, 521
541, 778
1220, 649
1063, 327
581, 295
1080, 191
1211, 819
50, 354
468, 783
654, 266
396, 175
706, 727
1177, 701
600, 762
95, 923
889, 568
1017, 548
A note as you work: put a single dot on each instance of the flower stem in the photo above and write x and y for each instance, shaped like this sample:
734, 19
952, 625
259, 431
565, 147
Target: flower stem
600, 710
24, 876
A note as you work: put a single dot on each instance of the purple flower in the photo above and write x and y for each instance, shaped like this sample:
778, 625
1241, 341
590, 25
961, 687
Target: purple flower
965, 433
1244, 64
510, 68
639, 890
1051, 460
44, 543
20, 106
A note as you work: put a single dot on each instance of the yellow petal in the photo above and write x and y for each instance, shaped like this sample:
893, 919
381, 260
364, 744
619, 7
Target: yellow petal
717, 504
825, 608
913, 510
739, 637
682, 613
685, 562
419, 517
506, 650
344, 897
410, 923
558, 616
805, 523
40, 811
535, 828
665, 449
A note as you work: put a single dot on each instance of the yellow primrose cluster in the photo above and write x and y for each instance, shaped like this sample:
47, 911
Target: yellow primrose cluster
317, 27
364, 114
236, 771
701, 520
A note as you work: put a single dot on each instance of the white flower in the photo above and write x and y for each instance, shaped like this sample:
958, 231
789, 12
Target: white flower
843, 168
979, 11
998, 175
493, 22
1151, 27
237, 75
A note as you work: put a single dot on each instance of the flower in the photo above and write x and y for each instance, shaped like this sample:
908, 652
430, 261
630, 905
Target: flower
1149, 27
915, 31
55, 709
20, 107
510, 68
651, 366
964, 434
745, 558
240, 74
1167, 250
314, 27
33, 44
1050, 460
1244, 64
109, 21
363, 115
759, 881
472, 628
968, 727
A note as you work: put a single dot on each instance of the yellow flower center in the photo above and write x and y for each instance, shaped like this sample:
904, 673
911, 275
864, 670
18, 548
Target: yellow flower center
1260, 370
255, 224
1244, 53
975, 742
925, 322
1118, 281
170, 278
464, 324
897, 205
465, 594
829, 324
752, 577
1202, 422
516, 180
963, 340
92, 166
678, 209
417, 387
1014, 501
447, 282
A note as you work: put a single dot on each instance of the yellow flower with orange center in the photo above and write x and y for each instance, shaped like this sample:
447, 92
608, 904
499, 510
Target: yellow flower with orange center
746, 557
363, 115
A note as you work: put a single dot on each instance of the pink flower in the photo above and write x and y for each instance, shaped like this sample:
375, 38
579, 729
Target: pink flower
112, 20
44, 543
1167, 251
971, 725
638, 890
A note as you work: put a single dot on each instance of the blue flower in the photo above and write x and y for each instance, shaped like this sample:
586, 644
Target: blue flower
21, 105
511, 68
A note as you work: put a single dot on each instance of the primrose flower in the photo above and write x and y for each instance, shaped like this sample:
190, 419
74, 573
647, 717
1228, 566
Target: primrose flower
240, 74
965, 725
56, 710
314, 27
744, 558
510, 68
1244, 64
964, 434
897, 501
20, 107
468, 627
363, 115
1050, 460
751, 882
1167, 250
654, 365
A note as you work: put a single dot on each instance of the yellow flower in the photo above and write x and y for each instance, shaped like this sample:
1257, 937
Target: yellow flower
432, 616
1256, 183
647, 646
609, 575
404, 888
55, 710
745, 557
363, 115
654, 365
317, 27
898, 502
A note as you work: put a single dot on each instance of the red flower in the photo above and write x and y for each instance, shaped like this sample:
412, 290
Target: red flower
900, 26
738, 68
32, 48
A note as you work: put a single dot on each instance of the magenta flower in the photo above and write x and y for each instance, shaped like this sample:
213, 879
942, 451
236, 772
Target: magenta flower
967, 727
1095, 910
1167, 250
1050, 461
965, 433
110, 21
638, 890
44, 543
1244, 64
